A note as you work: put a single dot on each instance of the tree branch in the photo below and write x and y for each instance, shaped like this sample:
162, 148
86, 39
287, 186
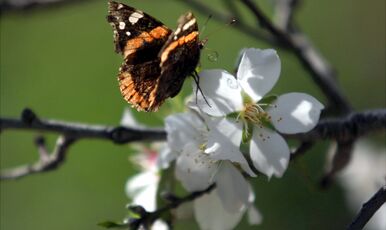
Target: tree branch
339, 129
226, 18
46, 162
69, 134
147, 218
346, 128
118, 134
284, 13
368, 209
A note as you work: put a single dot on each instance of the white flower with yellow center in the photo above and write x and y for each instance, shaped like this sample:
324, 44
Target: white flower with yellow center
238, 106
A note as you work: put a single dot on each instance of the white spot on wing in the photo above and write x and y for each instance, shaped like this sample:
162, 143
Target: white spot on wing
128, 33
120, 6
178, 30
122, 25
189, 24
134, 17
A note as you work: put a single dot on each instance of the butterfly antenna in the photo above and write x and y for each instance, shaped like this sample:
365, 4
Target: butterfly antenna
205, 24
205, 40
196, 79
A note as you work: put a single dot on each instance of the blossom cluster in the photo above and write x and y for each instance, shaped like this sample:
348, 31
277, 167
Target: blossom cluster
232, 130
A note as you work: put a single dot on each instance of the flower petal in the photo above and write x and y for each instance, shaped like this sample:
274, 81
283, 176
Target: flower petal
165, 157
222, 92
211, 215
224, 142
269, 152
254, 216
142, 188
160, 225
194, 168
183, 128
295, 113
232, 188
258, 72
128, 119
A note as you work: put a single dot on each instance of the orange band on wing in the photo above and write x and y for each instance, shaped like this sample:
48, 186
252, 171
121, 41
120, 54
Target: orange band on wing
182, 40
133, 44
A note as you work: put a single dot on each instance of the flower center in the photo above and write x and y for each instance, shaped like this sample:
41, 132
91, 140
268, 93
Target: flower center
255, 114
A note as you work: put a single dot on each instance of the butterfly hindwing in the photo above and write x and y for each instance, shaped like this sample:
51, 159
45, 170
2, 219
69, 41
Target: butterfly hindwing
178, 57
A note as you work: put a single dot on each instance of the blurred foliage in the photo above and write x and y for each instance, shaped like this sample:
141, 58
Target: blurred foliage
60, 62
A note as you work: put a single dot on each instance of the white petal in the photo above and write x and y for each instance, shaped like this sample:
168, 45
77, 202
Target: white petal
140, 181
159, 225
183, 128
254, 216
142, 188
224, 142
269, 152
232, 188
295, 113
222, 92
194, 168
128, 119
258, 72
165, 156
211, 215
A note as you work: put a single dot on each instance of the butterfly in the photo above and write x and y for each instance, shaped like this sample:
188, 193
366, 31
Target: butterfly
156, 59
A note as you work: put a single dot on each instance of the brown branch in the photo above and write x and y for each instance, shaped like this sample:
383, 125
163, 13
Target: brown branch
147, 218
339, 129
368, 209
69, 134
226, 18
340, 160
346, 128
284, 14
117, 134
46, 162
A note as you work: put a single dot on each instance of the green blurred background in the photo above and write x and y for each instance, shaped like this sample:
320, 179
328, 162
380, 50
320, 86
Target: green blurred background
60, 62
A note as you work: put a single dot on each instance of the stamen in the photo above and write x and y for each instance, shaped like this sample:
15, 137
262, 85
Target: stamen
255, 114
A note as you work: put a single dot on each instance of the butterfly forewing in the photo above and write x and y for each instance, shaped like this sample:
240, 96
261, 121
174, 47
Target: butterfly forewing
156, 60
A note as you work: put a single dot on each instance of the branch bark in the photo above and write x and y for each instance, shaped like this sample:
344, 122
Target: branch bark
368, 209
339, 129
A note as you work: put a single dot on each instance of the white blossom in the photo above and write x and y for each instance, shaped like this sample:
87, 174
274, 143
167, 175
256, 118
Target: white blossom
197, 167
237, 105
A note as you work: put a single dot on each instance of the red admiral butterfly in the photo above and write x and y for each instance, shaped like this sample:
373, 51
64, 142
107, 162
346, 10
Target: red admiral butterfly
156, 59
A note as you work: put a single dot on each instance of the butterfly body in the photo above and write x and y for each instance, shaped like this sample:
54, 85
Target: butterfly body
156, 59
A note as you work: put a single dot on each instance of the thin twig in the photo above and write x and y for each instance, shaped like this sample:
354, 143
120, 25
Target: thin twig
284, 14
147, 218
46, 162
340, 159
226, 18
117, 134
346, 128
301, 150
368, 209
69, 134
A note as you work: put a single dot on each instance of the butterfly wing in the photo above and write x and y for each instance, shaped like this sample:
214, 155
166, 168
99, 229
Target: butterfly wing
139, 38
178, 58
